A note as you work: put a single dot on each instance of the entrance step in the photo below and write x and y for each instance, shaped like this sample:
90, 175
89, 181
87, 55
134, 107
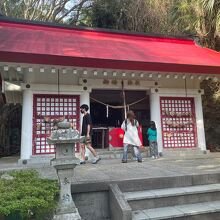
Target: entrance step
118, 153
194, 202
172, 196
195, 197
184, 152
145, 152
198, 211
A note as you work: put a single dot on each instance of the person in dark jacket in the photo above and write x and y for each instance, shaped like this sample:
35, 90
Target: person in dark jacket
87, 131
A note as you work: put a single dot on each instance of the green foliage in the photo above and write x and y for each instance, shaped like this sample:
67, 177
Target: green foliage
209, 5
51, 10
107, 14
184, 17
10, 127
211, 109
27, 195
13, 6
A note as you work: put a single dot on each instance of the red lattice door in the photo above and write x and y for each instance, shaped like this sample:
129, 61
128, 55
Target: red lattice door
46, 108
178, 122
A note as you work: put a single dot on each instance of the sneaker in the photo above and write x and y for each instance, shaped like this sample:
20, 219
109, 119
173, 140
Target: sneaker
124, 161
82, 162
153, 157
96, 160
139, 161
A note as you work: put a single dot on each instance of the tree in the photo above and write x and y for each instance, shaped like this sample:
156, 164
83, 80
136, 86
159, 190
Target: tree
1, 3
210, 21
10, 127
184, 16
131, 15
43, 10
148, 16
211, 109
107, 14
198, 17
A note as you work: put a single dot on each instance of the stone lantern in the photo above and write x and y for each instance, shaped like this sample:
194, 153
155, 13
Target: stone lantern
64, 140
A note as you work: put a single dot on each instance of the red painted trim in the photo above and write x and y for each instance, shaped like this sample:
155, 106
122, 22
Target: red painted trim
104, 63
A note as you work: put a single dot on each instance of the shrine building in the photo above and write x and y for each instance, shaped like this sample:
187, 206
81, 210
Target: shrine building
52, 69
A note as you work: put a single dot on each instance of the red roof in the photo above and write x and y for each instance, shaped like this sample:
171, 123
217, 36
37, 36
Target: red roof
39, 44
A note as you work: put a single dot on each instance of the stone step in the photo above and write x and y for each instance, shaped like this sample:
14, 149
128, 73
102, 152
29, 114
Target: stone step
175, 152
172, 196
198, 211
118, 153
168, 182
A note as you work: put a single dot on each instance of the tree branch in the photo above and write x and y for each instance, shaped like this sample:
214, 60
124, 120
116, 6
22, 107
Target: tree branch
79, 6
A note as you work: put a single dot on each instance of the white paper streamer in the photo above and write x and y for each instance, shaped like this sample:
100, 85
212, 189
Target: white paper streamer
107, 111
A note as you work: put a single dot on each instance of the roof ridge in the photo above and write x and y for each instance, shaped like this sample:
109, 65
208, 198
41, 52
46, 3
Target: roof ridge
94, 30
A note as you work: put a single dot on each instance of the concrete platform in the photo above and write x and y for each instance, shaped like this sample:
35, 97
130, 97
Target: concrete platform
91, 183
108, 170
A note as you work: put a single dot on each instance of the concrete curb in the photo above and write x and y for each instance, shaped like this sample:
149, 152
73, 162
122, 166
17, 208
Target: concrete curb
119, 207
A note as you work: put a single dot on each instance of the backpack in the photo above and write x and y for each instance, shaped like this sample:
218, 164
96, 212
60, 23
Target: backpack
126, 123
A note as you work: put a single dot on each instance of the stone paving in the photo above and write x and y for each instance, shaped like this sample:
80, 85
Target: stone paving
108, 170
95, 177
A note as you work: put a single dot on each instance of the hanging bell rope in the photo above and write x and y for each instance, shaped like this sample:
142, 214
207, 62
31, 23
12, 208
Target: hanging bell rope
58, 81
118, 106
185, 85
124, 99
133, 103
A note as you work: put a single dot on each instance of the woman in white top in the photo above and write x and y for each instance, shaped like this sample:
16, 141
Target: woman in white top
131, 137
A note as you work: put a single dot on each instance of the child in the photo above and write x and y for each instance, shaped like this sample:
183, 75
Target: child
131, 137
152, 137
